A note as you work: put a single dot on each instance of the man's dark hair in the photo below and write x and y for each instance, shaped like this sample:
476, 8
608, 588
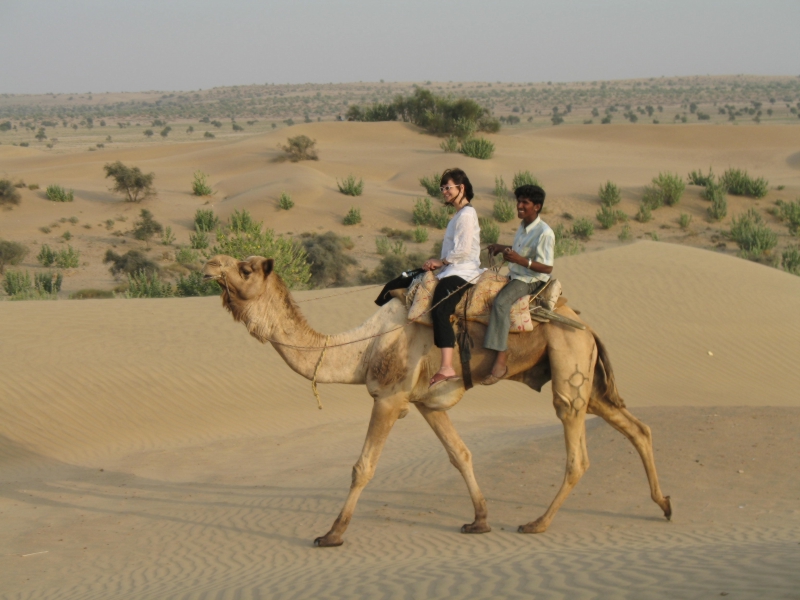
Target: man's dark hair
531, 192
459, 178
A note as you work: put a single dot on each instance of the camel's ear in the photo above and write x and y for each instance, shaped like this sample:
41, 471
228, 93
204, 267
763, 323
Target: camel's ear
268, 265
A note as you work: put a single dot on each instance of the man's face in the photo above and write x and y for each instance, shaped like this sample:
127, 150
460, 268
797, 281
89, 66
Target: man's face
527, 210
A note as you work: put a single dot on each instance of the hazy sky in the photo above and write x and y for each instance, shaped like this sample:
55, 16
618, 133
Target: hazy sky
137, 45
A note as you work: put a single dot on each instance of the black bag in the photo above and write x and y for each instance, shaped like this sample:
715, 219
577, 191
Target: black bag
398, 283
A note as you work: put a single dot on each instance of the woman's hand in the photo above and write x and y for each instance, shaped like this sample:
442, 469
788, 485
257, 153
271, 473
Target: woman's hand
431, 264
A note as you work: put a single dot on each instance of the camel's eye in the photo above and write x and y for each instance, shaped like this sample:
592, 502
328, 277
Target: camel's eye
246, 272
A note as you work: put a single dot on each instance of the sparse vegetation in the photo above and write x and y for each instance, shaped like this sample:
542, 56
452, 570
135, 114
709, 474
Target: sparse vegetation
17, 283
790, 260
48, 282
56, 193
382, 245
565, 245
670, 186
68, 258
200, 185
697, 177
420, 234
610, 194
789, 212
582, 228
299, 148
199, 240
423, 212
609, 217
490, 231
146, 227
143, 284
432, 184
330, 265
9, 196
715, 193
11, 253
350, 187
752, 235
353, 216
205, 219
441, 217
130, 263
625, 234
91, 294
194, 285
480, 148
186, 256
524, 178
685, 220
645, 213
500, 188
449, 144
739, 183
167, 237
285, 201
504, 210
130, 181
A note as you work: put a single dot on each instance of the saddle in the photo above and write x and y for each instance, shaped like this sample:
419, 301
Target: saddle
476, 304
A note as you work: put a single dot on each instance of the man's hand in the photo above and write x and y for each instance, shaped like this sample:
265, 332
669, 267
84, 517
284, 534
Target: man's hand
496, 248
510, 256
431, 264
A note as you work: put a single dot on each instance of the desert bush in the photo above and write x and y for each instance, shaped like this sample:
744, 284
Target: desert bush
504, 210
35, 186
790, 260
789, 212
350, 187
392, 265
187, 256
626, 234
382, 245
243, 222
645, 212
330, 264
715, 192
8, 193
406, 235
66, 235
285, 201
56, 193
420, 234
441, 217
17, 282
205, 219
752, 235
200, 185
236, 127
165, 132
130, 181
500, 188
208, 134
148, 285
450, 144
652, 198
671, 187
46, 256
432, 184
490, 231
73, 220
423, 212
148, 133
684, 220
11, 253
610, 194
48, 282
168, 237
582, 228
290, 258
194, 285
353, 216
739, 183
524, 178
91, 294
130, 263
609, 217
199, 240
146, 227
697, 177
442, 115
480, 148
299, 148
565, 245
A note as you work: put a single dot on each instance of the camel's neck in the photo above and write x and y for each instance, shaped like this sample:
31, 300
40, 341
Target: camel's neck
276, 319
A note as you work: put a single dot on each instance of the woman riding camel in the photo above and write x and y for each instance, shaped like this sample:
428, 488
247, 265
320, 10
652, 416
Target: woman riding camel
461, 266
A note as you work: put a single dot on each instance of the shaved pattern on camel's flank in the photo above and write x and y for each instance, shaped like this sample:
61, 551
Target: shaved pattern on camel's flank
394, 359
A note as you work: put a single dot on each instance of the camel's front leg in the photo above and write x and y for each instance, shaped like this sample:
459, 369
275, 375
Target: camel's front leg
384, 415
461, 458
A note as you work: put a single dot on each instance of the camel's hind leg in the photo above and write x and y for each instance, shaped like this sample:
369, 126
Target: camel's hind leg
385, 413
461, 458
641, 438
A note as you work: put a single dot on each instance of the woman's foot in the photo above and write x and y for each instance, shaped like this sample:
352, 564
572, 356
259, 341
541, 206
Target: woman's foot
443, 376
491, 378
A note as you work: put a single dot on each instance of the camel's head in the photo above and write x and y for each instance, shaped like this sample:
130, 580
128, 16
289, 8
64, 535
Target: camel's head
240, 280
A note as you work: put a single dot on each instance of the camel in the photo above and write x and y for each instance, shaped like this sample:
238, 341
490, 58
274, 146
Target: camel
396, 358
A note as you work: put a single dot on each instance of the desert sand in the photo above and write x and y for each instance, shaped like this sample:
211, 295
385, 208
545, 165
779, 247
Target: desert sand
153, 449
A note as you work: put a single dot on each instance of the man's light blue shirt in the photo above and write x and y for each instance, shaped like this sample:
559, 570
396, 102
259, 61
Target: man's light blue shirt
537, 242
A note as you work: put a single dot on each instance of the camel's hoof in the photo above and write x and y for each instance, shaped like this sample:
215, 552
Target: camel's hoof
324, 542
668, 510
535, 527
476, 528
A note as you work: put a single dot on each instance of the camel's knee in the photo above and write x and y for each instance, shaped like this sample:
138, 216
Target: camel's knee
575, 470
460, 457
362, 474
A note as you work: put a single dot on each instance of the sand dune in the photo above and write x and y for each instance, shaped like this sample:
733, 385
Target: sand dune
152, 449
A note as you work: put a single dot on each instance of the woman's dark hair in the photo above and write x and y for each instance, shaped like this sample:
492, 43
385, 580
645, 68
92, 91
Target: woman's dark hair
531, 192
459, 178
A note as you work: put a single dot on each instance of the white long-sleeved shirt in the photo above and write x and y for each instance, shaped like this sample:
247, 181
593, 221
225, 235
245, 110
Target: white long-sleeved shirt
462, 246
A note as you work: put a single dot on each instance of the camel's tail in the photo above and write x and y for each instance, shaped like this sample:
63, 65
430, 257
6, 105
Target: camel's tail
605, 386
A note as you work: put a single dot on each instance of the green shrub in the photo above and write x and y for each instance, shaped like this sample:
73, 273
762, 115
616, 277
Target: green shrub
500, 188
652, 197
194, 285
490, 231
524, 178
790, 212
168, 237
392, 265
208, 134
186, 256
715, 192
610, 194
423, 212
432, 184
330, 265
243, 222
205, 220
8, 193
200, 185
504, 210
130, 181
146, 227
285, 201
420, 234
697, 177
350, 187
130, 263
450, 144
17, 282
49, 282
398, 233
609, 217
56, 193
299, 148
739, 183
91, 294
290, 258
752, 235
353, 216
382, 245
199, 239
441, 217
645, 213
565, 245
790, 260
46, 256
66, 235
480, 148
685, 220
582, 228
671, 187
626, 234
11, 253
148, 285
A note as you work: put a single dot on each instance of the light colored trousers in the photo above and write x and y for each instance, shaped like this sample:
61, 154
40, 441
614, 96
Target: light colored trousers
500, 320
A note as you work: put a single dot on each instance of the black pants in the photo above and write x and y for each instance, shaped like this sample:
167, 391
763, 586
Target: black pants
445, 292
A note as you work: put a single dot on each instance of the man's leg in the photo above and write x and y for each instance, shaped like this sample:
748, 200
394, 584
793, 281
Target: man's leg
499, 323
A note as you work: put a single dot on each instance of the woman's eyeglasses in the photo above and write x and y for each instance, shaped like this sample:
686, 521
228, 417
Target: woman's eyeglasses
444, 188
